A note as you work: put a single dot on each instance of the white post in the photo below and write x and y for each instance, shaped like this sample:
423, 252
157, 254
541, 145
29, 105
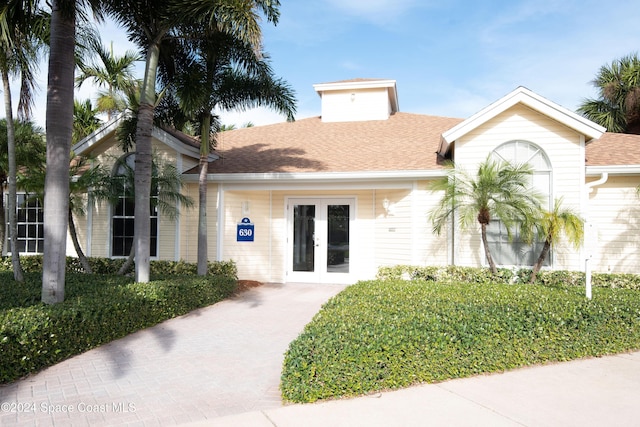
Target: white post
590, 237
587, 279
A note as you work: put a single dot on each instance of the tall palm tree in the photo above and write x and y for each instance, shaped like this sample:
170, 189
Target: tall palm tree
149, 24
551, 226
21, 40
59, 128
221, 71
499, 190
617, 107
114, 73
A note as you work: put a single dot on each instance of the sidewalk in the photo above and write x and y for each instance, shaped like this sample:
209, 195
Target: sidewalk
592, 392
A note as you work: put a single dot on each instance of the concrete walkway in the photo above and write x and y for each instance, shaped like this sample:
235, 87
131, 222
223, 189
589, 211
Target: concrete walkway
584, 393
221, 366
217, 361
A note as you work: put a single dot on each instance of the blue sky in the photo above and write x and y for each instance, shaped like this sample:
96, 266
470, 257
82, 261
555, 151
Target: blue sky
449, 58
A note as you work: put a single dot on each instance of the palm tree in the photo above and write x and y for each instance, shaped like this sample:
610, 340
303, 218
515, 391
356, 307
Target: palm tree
225, 73
59, 128
617, 107
499, 190
21, 40
85, 119
115, 73
150, 24
30, 147
551, 225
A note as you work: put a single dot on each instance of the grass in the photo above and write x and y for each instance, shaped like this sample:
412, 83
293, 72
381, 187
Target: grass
381, 335
97, 309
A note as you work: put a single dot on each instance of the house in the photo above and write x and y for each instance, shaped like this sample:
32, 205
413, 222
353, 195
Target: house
330, 199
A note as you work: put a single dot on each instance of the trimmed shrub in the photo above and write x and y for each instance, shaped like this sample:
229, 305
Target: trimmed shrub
552, 278
381, 335
33, 263
97, 310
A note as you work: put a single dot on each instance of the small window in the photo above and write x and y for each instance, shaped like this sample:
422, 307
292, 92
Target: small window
30, 222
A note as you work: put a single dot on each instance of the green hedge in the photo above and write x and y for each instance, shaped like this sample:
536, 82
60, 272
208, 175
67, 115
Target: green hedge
33, 263
483, 275
380, 335
97, 309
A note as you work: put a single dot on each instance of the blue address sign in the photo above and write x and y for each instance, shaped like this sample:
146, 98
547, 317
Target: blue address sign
245, 231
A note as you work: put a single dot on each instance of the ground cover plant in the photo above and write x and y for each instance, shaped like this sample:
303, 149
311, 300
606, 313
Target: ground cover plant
388, 334
98, 308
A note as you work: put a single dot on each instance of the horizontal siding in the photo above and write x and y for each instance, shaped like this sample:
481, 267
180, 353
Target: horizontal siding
431, 249
615, 212
564, 150
189, 224
252, 258
100, 235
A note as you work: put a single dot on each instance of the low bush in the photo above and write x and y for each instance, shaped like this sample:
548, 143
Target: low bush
380, 335
33, 263
551, 278
97, 309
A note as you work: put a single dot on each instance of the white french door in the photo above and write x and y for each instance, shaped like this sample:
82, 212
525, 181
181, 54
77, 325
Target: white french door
319, 238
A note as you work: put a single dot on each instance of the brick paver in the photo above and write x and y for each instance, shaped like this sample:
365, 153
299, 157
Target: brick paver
217, 361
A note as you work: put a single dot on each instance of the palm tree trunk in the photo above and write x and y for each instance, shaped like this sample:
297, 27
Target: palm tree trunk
18, 275
59, 124
76, 244
538, 265
142, 186
203, 256
127, 264
492, 265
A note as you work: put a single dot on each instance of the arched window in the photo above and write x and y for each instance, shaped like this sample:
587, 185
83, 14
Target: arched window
122, 218
517, 252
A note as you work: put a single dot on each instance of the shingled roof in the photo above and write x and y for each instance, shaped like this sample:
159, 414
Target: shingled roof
404, 142
614, 149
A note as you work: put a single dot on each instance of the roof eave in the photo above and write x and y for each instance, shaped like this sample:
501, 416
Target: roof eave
316, 177
532, 100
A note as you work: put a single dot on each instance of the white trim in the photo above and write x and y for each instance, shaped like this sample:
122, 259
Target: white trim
179, 146
363, 84
522, 95
221, 230
90, 140
162, 136
613, 170
321, 177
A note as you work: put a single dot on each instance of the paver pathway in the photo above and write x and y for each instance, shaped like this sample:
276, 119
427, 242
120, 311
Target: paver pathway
217, 361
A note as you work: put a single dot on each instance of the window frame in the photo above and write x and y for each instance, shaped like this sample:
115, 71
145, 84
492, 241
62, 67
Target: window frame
496, 232
128, 216
28, 218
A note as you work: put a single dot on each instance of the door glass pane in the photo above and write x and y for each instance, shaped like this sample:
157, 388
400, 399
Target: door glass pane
303, 237
338, 239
